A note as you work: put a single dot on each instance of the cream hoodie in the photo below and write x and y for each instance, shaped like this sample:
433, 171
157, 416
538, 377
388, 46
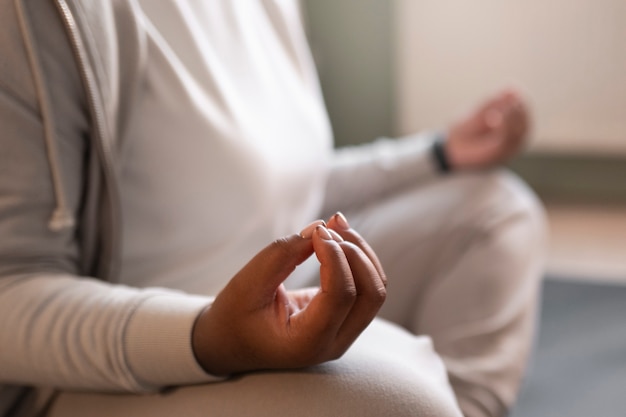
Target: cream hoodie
154, 144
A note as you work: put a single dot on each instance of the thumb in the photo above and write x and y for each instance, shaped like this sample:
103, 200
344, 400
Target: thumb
493, 118
490, 114
262, 275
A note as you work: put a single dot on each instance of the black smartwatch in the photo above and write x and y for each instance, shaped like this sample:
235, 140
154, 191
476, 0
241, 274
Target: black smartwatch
439, 154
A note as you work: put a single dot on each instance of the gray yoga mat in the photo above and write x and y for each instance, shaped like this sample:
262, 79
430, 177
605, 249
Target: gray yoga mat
579, 365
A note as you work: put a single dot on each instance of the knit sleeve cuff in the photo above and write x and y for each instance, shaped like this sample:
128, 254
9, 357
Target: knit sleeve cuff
158, 341
417, 157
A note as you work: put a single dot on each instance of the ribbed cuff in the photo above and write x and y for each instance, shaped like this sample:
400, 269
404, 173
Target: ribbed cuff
158, 341
417, 150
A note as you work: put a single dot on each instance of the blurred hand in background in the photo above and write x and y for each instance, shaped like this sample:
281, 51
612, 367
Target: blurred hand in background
491, 134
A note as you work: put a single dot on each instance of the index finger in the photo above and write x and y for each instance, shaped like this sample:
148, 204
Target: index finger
339, 223
328, 309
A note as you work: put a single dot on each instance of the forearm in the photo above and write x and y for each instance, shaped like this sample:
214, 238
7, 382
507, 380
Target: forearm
78, 333
361, 174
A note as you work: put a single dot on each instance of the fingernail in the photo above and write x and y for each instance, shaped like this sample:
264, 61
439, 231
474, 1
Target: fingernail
307, 232
336, 236
341, 220
324, 233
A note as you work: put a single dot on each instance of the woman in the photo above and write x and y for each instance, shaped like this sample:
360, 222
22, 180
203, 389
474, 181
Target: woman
152, 151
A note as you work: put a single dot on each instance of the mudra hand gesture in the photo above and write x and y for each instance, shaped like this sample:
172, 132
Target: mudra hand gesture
491, 134
255, 323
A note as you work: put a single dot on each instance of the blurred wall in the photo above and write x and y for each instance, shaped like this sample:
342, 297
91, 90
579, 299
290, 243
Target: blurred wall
352, 45
569, 56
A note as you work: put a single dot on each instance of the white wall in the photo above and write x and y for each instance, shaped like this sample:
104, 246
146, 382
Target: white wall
569, 55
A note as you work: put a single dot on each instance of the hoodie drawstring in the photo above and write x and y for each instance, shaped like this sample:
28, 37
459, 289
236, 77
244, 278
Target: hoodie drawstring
61, 218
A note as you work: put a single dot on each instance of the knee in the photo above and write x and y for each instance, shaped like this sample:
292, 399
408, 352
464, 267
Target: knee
347, 387
389, 390
506, 229
500, 222
387, 372
497, 201
400, 394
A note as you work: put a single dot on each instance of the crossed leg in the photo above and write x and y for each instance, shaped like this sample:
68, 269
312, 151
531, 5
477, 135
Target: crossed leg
387, 372
464, 255
463, 258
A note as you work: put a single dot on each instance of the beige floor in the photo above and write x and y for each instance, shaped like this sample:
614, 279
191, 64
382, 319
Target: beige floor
587, 243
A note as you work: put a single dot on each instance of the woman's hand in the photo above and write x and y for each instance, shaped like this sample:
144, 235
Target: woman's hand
254, 323
491, 135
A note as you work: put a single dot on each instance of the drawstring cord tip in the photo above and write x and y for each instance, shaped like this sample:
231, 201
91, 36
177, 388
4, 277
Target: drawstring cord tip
61, 220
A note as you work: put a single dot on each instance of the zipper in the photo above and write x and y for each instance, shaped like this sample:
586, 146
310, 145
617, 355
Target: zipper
103, 141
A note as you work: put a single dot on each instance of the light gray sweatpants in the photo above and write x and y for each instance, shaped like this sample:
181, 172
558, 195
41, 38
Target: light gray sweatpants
463, 255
